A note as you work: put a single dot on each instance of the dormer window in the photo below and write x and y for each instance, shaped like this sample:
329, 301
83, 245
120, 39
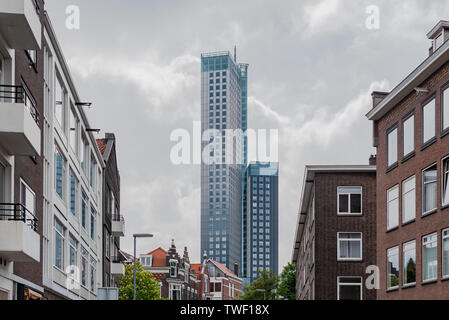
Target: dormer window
147, 261
438, 42
173, 269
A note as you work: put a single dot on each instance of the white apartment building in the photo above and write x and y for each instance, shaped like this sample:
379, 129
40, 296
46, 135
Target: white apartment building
73, 167
20, 135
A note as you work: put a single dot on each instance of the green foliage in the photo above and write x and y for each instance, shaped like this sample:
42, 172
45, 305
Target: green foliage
267, 281
287, 284
147, 288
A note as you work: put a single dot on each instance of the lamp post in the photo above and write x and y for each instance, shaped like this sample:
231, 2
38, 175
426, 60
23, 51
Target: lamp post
138, 235
264, 293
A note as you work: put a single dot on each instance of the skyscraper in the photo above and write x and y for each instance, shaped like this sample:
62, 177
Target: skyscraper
262, 219
223, 107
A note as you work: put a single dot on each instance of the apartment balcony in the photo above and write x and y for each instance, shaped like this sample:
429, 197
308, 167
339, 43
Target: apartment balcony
117, 266
20, 23
19, 122
118, 226
19, 240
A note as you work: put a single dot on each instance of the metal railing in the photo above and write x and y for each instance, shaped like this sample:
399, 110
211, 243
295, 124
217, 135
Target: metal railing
18, 212
19, 94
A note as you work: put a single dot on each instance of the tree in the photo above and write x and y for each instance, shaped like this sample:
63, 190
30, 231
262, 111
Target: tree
287, 284
147, 288
263, 288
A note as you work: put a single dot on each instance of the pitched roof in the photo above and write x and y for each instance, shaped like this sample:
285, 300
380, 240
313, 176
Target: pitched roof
158, 255
223, 268
101, 143
196, 267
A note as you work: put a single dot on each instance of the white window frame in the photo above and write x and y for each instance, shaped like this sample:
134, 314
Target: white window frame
445, 180
86, 257
425, 105
425, 213
444, 236
62, 234
395, 252
350, 239
404, 220
174, 287
404, 246
410, 118
391, 227
349, 213
347, 284
425, 242
393, 130
31, 191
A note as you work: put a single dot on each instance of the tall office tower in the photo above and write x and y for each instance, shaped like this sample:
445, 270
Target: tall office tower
221, 180
262, 219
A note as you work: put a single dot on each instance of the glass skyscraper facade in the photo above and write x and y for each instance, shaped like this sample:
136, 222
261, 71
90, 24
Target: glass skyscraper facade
223, 94
262, 219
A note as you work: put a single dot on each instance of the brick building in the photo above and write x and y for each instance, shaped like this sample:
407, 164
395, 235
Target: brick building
335, 240
410, 132
178, 280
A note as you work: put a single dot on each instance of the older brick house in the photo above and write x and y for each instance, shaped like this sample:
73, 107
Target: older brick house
335, 240
410, 132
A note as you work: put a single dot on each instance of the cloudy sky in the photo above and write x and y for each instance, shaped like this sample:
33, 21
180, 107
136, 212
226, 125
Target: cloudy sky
313, 65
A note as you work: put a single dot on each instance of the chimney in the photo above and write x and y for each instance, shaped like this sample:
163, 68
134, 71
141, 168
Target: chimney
236, 269
378, 96
372, 160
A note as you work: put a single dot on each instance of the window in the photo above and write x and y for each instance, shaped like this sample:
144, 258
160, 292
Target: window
173, 269
84, 210
409, 263
446, 253
59, 102
107, 243
84, 266
445, 110
349, 200
429, 189
408, 200
428, 121
445, 182
393, 208
349, 288
175, 291
27, 199
73, 254
84, 154
59, 245
438, 42
393, 268
429, 257
349, 246
392, 152
147, 261
92, 223
73, 192
93, 274
93, 171
73, 133
59, 173
408, 136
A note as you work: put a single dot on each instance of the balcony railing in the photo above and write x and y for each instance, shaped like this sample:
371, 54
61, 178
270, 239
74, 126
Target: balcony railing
19, 94
18, 212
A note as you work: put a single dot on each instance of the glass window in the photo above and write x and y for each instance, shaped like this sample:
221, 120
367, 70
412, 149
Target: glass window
429, 189
393, 267
409, 262
445, 110
84, 209
92, 223
408, 200
93, 171
392, 156
349, 288
349, 200
73, 134
445, 182
393, 208
59, 173
59, 102
446, 253
84, 154
28, 200
84, 266
408, 133
107, 243
429, 257
73, 254
73, 192
350, 246
59, 245
428, 121
93, 274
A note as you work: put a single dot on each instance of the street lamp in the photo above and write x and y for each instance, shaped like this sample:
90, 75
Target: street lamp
138, 235
264, 293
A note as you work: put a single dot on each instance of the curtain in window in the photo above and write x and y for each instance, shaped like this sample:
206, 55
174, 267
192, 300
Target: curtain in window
430, 189
430, 263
